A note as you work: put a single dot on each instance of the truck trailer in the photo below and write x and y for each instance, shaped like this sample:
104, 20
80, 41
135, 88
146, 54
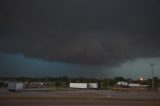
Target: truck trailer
93, 85
84, 85
78, 85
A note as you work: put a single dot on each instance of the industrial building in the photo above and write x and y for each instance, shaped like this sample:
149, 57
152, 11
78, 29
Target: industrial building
133, 87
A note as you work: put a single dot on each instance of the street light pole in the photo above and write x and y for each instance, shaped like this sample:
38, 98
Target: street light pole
153, 87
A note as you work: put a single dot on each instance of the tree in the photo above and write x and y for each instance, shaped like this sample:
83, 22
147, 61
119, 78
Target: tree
119, 79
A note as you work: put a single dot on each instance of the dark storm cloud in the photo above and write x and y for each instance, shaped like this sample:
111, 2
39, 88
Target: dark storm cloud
91, 32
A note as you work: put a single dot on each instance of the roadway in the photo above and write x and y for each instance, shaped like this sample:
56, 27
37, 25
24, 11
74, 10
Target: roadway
50, 102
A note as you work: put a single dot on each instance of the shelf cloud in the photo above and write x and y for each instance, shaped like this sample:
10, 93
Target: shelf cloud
88, 32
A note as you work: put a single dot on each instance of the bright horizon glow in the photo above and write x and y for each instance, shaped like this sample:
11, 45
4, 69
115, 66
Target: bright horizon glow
17, 65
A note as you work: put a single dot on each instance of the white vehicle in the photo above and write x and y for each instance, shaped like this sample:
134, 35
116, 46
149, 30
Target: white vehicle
78, 85
122, 83
14, 86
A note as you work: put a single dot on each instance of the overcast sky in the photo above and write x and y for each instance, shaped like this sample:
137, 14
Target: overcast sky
79, 37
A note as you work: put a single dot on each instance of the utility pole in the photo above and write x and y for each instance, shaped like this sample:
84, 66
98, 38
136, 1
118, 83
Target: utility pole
153, 87
108, 83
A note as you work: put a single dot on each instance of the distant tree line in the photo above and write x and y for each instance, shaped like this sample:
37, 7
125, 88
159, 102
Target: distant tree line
64, 81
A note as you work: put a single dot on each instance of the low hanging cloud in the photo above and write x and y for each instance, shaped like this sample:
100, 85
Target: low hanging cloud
89, 32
